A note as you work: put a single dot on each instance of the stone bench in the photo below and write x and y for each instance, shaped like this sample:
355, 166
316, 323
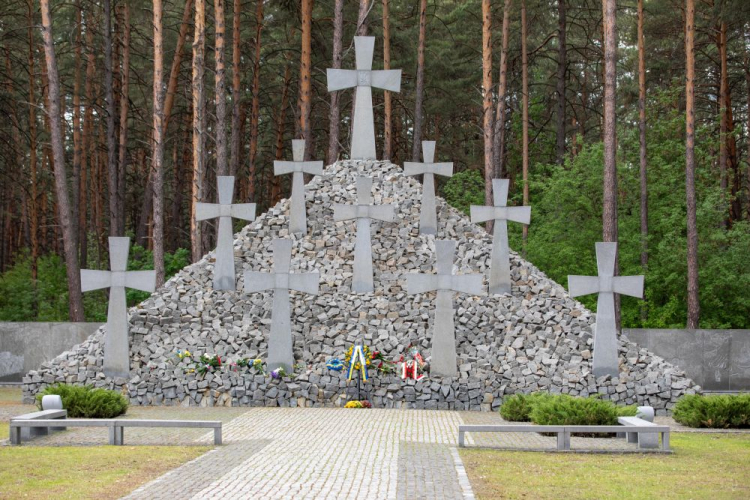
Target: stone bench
645, 440
116, 427
32, 432
564, 431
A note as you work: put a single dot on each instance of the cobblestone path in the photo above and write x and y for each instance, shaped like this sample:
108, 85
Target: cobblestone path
325, 453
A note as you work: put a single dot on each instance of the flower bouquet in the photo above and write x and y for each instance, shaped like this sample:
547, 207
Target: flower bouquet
383, 365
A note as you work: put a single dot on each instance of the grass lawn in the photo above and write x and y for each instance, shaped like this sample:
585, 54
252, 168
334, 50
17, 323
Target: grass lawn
98, 472
714, 466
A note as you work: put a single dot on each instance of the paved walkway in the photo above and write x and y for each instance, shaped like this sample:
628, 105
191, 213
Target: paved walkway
325, 453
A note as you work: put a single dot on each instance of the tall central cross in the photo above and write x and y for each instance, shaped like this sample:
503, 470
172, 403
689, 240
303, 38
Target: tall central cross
428, 213
280, 352
501, 214
445, 282
363, 211
116, 341
364, 78
297, 214
225, 210
606, 285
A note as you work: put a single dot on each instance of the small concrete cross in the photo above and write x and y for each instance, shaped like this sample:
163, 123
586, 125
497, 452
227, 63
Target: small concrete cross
445, 282
363, 211
428, 212
280, 352
225, 210
606, 285
297, 215
363, 78
501, 214
116, 341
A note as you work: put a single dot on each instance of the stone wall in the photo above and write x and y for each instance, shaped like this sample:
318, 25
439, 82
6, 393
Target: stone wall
25, 346
718, 360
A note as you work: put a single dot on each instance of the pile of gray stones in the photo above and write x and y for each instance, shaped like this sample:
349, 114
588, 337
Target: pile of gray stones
535, 339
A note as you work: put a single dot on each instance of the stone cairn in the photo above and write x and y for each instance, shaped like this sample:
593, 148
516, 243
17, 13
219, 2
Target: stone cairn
534, 339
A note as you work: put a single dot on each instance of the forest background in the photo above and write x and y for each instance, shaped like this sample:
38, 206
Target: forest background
236, 82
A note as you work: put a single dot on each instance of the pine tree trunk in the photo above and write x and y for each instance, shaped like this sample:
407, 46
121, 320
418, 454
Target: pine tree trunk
562, 64
176, 62
34, 198
75, 302
236, 80
487, 101
220, 100
610, 132
112, 177
721, 42
525, 116
416, 146
87, 155
499, 137
75, 180
199, 169
642, 141
364, 10
143, 228
387, 104
255, 109
693, 305
124, 106
158, 146
335, 114
305, 83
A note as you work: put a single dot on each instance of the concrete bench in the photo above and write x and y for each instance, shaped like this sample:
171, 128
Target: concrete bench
116, 427
645, 440
199, 424
32, 432
564, 431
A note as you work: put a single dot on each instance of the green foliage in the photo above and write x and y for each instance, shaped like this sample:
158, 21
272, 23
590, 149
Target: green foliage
543, 408
87, 402
464, 189
46, 298
567, 221
716, 411
517, 408
568, 410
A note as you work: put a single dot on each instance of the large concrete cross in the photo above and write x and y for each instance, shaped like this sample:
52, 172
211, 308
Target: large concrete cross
116, 341
606, 285
363, 211
501, 214
364, 78
225, 210
445, 282
297, 214
428, 212
280, 353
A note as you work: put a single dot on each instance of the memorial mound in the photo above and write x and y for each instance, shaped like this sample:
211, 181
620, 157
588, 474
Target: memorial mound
534, 339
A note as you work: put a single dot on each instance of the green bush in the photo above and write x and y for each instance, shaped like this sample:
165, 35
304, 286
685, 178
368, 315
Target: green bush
568, 410
562, 409
516, 408
718, 412
87, 402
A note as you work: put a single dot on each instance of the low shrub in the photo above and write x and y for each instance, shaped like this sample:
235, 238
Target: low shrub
87, 402
516, 408
568, 410
717, 411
